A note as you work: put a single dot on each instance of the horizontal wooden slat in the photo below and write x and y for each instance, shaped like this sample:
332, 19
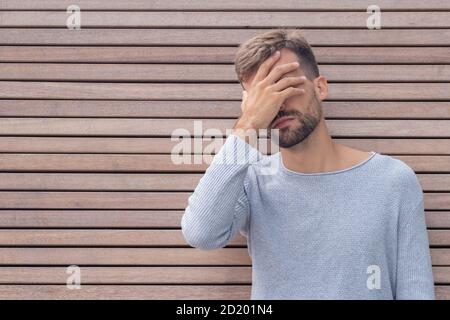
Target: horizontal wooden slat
116, 238
132, 275
150, 163
438, 256
212, 109
136, 238
442, 292
133, 292
73, 126
211, 19
93, 181
188, 91
203, 109
434, 182
219, 37
125, 256
95, 200
438, 219
193, 54
148, 275
436, 238
209, 72
131, 200
96, 162
142, 181
104, 219
427, 163
129, 218
182, 127
145, 256
441, 275
165, 145
225, 5
64, 126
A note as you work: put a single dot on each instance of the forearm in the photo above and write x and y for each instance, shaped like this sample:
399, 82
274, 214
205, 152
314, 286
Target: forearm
219, 200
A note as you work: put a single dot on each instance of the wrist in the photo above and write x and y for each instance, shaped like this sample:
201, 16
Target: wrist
245, 124
246, 131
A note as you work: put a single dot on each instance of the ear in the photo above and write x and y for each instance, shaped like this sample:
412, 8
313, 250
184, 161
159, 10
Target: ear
321, 87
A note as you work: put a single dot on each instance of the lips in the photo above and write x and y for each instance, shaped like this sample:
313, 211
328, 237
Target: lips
281, 122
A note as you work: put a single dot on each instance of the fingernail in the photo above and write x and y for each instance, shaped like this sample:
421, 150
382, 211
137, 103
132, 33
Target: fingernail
276, 53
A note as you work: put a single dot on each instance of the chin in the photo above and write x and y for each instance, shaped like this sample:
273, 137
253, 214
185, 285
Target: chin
289, 143
287, 138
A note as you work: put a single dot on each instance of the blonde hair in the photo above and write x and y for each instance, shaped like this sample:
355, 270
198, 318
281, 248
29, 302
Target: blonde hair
254, 51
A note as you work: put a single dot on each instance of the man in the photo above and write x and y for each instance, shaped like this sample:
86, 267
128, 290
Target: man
332, 222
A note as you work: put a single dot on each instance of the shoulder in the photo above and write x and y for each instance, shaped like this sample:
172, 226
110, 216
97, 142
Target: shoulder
397, 169
262, 171
265, 164
400, 177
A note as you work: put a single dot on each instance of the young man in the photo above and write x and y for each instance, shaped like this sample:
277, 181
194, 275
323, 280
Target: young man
332, 222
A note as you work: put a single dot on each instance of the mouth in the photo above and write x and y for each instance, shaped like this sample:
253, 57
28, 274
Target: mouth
282, 122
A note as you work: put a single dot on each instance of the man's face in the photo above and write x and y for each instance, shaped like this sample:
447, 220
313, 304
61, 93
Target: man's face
305, 109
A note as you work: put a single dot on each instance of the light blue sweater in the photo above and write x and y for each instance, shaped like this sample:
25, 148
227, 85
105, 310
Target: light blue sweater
356, 233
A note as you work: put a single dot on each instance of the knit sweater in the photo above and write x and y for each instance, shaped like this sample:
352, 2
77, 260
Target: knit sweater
355, 233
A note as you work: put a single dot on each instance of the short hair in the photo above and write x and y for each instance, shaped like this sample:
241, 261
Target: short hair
253, 52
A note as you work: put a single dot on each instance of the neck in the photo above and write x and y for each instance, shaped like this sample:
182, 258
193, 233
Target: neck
317, 153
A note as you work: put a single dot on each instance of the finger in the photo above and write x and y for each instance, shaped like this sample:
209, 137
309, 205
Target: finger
288, 82
290, 92
277, 72
264, 68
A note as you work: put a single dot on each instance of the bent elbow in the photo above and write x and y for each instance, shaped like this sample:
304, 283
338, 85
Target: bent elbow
200, 238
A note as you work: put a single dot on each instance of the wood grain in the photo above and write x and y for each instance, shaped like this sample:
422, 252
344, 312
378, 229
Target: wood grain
132, 256
133, 292
225, 5
219, 37
223, 19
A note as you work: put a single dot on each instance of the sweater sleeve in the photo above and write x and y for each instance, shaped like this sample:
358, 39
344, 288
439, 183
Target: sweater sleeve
219, 207
414, 269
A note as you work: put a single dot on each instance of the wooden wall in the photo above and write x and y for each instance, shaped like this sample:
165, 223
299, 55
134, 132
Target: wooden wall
86, 116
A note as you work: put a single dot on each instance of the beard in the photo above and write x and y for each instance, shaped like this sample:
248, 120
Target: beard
308, 122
